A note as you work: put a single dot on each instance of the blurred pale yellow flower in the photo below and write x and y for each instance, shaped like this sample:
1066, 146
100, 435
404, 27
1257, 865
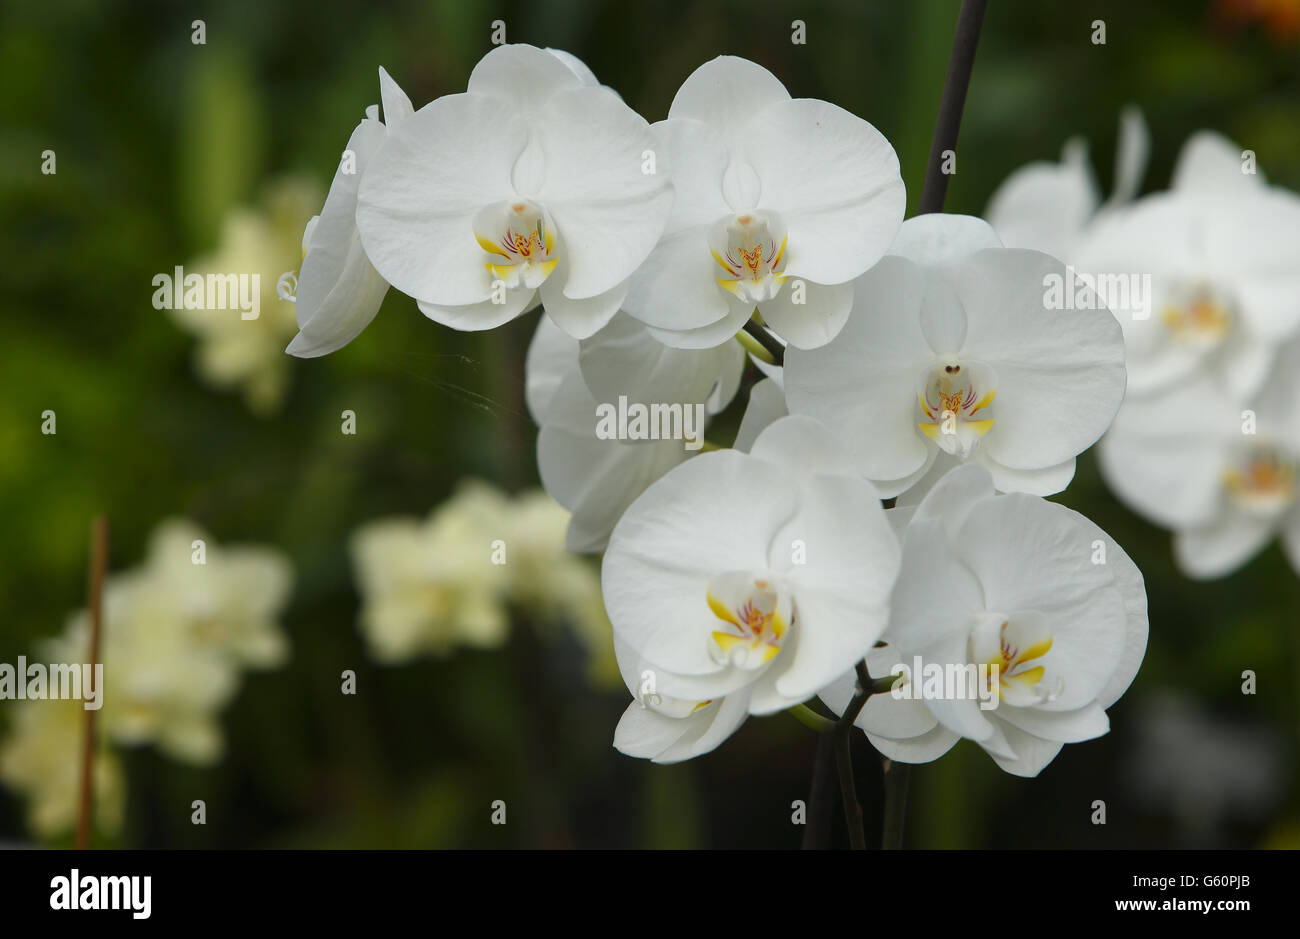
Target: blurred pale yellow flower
178, 631
229, 599
556, 586
450, 580
429, 586
160, 685
41, 759
248, 354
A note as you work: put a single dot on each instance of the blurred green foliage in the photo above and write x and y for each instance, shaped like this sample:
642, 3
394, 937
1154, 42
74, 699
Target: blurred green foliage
157, 139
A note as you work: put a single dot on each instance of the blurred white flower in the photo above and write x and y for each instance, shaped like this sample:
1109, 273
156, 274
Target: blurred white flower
1048, 206
339, 292
248, 354
780, 202
1221, 475
958, 355
1219, 248
532, 184
1013, 581
1202, 339
755, 578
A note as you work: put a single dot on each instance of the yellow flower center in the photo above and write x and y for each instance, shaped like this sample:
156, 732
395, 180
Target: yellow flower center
954, 398
1015, 648
520, 242
750, 249
1202, 319
756, 614
1262, 481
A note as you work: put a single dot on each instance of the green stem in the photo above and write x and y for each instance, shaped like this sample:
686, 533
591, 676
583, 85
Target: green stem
775, 352
754, 347
882, 685
810, 718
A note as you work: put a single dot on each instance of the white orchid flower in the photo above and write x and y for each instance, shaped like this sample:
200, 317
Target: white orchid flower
780, 203
1010, 581
664, 729
1222, 476
766, 406
339, 291
1218, 250
532, 184
597, 478
1048, 206
956, 356
746, 582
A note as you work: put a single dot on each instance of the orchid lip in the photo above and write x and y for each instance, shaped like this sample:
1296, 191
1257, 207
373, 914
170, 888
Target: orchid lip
1261, 481
955, 400
754, 613
519, 238
750, 248
1015, 647
1199, 316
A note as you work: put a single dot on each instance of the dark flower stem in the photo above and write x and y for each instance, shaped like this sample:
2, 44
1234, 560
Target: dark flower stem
842, 737
896, 777
969, 21
821, 798
844, 761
